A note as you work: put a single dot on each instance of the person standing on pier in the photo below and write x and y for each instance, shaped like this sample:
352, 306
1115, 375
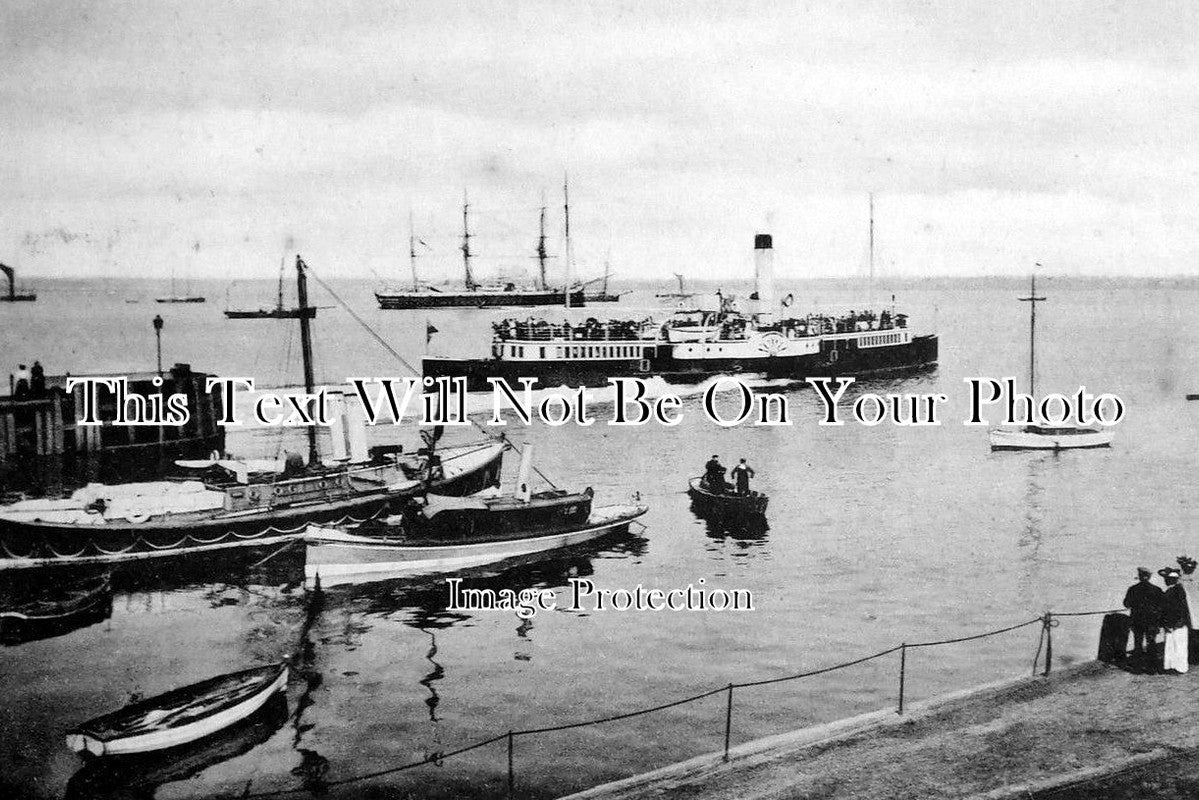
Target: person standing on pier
1175, 621
1144, 602
741, 475
1187, 581
22, 389
37, 380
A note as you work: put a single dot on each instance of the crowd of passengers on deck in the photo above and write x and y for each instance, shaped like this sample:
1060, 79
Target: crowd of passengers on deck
731, 326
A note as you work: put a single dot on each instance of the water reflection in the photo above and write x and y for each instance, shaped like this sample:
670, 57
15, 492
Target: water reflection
1031, 533
422, 603
434, 675
32, 611
138, 777
747, 532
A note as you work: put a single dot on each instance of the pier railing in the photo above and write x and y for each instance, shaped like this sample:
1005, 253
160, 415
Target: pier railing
1042, 664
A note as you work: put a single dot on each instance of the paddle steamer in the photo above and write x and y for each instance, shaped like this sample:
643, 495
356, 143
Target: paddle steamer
694, 345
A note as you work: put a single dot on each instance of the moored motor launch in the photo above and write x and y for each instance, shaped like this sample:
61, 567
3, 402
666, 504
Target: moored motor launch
764, 276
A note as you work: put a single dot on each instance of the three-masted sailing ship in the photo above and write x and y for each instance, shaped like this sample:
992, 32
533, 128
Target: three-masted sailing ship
478, 295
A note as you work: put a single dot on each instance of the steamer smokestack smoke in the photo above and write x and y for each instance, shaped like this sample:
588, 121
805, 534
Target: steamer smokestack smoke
764, 276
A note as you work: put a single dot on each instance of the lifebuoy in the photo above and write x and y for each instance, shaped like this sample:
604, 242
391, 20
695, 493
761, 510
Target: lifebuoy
138, 519
788, 300
833, 355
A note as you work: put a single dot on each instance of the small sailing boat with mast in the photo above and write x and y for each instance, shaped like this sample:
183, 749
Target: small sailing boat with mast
175, 296
603, 295
276, 312
475, 294
13, 295
1042, 435
681, 294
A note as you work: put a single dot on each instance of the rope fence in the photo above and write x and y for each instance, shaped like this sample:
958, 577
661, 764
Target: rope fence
1047, 621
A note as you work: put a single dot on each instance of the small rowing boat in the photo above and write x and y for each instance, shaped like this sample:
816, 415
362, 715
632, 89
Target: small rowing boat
726, 505
58, 611
140, 774
180, 716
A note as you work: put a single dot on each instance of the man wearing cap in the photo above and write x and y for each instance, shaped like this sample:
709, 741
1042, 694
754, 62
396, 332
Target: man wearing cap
1175, 620
714, 472
1144, 602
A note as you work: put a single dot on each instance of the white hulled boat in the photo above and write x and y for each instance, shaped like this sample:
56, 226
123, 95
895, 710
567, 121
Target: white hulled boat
1042, 435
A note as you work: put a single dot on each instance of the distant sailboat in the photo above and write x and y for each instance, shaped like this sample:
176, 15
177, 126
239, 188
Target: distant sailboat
1041, 435
681, 294
13, 295
603, 295
279, 311
174, 296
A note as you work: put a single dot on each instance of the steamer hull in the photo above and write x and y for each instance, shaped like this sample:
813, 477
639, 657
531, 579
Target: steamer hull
832, 359
418, 300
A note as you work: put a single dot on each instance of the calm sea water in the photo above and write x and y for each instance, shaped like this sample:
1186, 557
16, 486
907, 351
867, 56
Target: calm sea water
877, 535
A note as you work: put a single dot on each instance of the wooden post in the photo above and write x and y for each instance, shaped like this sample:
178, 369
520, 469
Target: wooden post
57, 421
1048, 642
903, 666
511, 774
728, 722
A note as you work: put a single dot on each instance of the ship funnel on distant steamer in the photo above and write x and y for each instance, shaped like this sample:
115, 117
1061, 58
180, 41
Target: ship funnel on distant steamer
764, 276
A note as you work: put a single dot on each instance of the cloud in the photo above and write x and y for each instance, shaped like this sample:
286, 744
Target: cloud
987, 131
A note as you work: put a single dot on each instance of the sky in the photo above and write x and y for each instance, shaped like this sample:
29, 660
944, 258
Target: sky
209, 138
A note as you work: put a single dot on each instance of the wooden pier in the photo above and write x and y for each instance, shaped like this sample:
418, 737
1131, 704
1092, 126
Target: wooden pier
44, 448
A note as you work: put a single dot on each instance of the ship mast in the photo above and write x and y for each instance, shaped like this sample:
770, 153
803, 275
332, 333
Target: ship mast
470, 280
412, 251
1032, 301
569, 254
306, 350
542, 255
870, 286
282, 269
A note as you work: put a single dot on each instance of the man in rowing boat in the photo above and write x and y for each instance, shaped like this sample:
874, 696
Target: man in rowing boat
741, 475
714, 475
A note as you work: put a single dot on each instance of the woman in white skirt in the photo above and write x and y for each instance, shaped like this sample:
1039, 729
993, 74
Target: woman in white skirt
1175, 621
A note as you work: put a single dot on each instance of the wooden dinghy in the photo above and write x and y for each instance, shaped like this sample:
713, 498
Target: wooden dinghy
138, 775
180, 716
725, 504
64, 609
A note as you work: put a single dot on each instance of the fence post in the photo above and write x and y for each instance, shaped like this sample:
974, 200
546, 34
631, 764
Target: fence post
728, 722
903, 665
1048, 623
511, 775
